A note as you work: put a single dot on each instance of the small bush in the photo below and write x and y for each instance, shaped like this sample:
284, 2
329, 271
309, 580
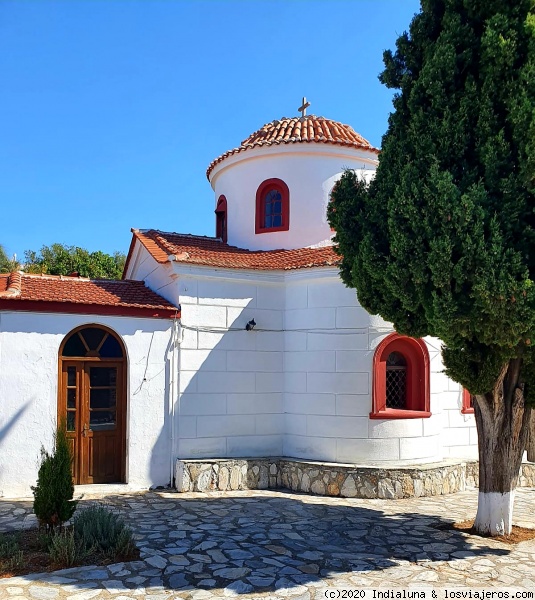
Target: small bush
9, 545
66, 549
12, 564
125, 546
99, 528
53, 503
11, 557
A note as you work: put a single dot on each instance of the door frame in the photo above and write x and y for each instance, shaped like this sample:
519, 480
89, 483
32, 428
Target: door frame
122, 386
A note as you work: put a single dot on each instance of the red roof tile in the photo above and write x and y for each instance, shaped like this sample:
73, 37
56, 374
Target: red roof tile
298, 130
212, 252
10, 285
124, 296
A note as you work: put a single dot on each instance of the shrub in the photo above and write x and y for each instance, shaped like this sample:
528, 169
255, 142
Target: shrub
9, 544
53, 503
11, 558
66, 549
99, 528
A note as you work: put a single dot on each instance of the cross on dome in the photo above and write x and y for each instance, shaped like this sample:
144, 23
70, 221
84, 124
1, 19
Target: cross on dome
303, 108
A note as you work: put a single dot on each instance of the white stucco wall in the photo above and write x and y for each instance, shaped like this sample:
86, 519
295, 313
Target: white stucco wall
29, 344
231, 380
309, 171
328, 378
160, 278
303, 390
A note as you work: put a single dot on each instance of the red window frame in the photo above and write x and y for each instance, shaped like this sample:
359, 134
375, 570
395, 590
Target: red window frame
221, 217
263, 190
467, 408
418, 399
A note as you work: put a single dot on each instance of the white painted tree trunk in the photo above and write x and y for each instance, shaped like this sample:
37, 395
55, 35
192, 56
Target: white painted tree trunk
494, 513
502, 420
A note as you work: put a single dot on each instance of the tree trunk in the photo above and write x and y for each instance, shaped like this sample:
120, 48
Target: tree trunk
502, 420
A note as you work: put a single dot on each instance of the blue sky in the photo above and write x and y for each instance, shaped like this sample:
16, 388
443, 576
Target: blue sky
111, 111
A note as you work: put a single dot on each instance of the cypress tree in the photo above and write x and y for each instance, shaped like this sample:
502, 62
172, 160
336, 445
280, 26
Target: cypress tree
53, 503
442, 241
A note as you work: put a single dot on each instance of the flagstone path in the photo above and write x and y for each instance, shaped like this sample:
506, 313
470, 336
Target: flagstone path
266, 544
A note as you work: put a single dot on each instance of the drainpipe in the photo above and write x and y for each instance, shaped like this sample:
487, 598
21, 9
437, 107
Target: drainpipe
176, 338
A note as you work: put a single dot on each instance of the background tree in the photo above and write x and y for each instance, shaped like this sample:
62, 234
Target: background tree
442, 241
8, 265
59, 259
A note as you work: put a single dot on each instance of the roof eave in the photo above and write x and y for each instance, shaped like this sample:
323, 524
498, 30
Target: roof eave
49, 306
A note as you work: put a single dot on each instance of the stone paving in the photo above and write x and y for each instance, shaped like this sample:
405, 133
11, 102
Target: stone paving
268, 544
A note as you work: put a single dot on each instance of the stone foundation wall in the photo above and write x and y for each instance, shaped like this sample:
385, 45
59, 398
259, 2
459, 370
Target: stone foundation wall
527, 475
328, 479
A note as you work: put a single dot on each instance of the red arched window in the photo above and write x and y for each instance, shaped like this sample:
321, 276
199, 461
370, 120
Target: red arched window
272, 206
468, 403
400, 379
221, 219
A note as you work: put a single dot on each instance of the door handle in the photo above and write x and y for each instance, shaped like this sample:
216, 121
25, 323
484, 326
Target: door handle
85, 429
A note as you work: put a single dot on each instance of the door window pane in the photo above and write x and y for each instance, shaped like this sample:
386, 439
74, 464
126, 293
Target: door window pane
71, 398
103, 398
74, 346
71, 376
101, 420
71, 420
103, 376
93, 337
111, 348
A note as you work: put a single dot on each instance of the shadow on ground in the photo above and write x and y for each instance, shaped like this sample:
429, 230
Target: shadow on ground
263, 543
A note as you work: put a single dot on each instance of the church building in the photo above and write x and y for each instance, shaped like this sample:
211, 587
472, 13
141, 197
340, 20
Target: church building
239, 351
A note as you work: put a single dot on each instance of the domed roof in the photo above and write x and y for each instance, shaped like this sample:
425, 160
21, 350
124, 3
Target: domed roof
300, 129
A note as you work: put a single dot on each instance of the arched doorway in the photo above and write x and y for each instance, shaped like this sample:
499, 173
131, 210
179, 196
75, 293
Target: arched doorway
92, 403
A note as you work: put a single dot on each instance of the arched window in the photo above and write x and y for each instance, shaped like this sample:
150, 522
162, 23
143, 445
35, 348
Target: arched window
272, 206
221, 219
468, 403
400, 379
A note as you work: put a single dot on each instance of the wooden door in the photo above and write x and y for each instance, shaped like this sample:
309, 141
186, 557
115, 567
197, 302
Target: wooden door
92, 402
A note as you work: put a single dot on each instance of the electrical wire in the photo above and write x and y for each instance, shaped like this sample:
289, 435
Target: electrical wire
318, 330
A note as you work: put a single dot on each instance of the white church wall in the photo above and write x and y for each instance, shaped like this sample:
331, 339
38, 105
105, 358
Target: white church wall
29, 345
303, 390
328, 376
231, 380
309, 173
158, 277
460, 433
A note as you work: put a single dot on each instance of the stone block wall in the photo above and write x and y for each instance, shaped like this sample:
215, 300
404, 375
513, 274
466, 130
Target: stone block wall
329, 479
227, 474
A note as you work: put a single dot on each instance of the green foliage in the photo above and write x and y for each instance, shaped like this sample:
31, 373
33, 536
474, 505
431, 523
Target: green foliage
53, 503
66, 549
59, 259
8, 265
442, 241
97, 527
11, 557
9, 545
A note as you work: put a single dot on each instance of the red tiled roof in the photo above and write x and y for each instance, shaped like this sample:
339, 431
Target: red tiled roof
10, 285
99, 295
298, 130
212, 252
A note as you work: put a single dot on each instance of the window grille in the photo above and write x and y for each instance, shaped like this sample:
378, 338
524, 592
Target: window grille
273, 209
396, 381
